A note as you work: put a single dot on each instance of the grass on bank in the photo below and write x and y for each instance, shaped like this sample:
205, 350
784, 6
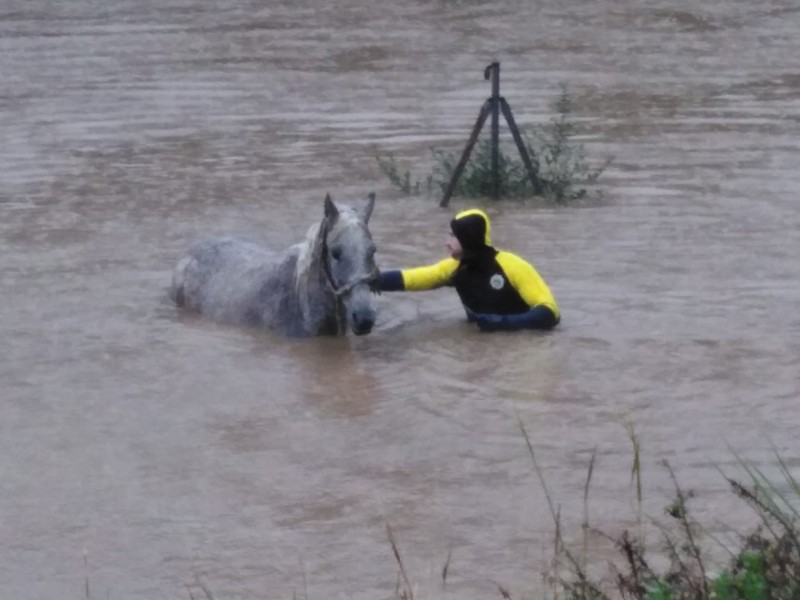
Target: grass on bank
766, 566
559, 162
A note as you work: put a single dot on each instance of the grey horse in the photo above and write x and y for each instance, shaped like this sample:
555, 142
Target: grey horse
319, 286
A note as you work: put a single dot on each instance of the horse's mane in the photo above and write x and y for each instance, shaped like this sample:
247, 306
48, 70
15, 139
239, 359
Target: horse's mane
308, 251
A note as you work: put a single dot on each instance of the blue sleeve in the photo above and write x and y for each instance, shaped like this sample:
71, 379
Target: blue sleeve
539, 317
391, 281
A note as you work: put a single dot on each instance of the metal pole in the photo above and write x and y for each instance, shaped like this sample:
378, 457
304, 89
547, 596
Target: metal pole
465, 155
533, 172
493, 72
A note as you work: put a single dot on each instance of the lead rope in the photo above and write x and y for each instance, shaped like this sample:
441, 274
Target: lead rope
371, 280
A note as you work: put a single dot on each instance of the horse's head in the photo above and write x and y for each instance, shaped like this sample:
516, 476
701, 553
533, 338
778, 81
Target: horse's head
349, 261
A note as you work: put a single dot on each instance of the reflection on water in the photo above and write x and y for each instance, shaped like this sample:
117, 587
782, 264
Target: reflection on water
170, 449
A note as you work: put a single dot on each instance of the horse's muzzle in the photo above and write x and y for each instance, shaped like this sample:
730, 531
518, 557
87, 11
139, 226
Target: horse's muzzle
362, 324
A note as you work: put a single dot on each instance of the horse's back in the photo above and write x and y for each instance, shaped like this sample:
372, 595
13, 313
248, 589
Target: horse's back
226, 278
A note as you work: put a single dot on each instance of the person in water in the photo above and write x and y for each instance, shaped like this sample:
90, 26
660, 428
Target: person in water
499, 290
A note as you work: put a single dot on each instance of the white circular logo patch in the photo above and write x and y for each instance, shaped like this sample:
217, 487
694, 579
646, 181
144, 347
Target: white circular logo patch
497, 282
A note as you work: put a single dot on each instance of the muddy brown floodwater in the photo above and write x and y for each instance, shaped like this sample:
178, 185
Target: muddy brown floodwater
167, 449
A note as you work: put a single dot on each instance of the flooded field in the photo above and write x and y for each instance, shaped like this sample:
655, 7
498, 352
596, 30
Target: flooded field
144, 450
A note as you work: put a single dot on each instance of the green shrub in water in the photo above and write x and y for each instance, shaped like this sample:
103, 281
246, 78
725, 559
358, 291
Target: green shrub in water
402, 180
559, 163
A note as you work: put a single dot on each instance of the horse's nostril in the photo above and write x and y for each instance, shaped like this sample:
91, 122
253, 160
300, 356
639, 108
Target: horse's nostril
362, 324
361, 320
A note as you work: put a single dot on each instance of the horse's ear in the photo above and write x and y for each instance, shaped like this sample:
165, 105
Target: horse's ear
366, 212
331, 212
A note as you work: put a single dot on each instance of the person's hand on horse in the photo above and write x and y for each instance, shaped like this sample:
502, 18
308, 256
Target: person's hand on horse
387, 281
375, 283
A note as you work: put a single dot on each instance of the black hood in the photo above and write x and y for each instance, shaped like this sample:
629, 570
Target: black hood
470, 231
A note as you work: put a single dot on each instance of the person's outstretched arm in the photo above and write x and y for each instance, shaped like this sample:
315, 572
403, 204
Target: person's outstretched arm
418, 279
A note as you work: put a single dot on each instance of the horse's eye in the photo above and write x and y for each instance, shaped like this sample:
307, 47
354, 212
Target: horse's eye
336, 253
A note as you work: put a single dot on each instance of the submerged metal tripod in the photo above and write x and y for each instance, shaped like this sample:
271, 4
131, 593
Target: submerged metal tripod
493, 106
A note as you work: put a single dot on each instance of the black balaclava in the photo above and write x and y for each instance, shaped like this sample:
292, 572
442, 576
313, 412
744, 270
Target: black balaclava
470, 229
